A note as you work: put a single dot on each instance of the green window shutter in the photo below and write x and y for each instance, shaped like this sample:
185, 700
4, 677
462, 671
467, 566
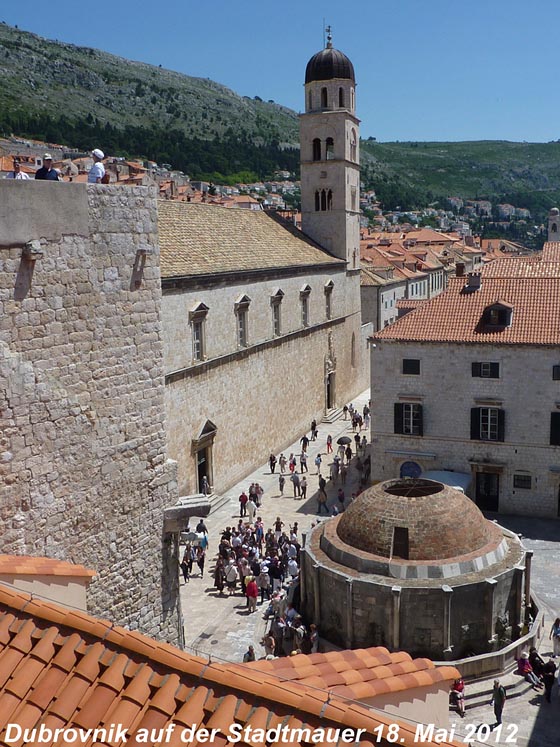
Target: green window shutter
420, 420
399, 422
555, 428
475, 423
494, 370
501, 425
476, 369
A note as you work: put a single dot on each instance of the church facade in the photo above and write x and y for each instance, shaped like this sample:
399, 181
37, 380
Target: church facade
262, 321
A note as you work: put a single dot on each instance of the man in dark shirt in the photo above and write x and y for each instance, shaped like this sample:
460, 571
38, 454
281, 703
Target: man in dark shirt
46, 171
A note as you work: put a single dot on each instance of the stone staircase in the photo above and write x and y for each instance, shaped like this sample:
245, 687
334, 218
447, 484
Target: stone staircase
332, 415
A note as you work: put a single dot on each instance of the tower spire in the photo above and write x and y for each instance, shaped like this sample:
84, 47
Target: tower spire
329, 37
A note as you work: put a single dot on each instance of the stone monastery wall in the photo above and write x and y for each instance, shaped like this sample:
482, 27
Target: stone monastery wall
84, 473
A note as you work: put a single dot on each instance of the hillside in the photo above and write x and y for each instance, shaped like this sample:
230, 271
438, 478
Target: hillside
80, 95
59, 92
493, 169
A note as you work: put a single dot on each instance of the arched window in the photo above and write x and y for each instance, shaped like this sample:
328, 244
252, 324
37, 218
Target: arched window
330, 148
353, 145
352, 99
310, 100
329, 199
316, 149
341, 97
323, 98
554, 228
317, 200
323, 199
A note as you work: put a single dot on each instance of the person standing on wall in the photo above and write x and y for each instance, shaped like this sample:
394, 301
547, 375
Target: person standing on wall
46, 172
97, 171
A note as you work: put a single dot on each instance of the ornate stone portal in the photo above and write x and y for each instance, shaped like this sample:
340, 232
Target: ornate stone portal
413, 564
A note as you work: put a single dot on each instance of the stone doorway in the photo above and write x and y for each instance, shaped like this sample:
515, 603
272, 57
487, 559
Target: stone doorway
487, 491
202, 450
330, 395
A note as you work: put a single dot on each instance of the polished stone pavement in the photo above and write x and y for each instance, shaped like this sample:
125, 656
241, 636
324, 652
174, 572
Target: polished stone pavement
220, 627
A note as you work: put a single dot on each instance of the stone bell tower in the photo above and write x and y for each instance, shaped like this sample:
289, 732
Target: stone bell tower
554, 225
330, 157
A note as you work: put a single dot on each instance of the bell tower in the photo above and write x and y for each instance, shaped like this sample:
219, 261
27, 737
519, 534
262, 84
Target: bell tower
330, 157
553, 225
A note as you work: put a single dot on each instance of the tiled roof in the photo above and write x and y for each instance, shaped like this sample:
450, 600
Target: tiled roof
410, 303
63, 668
26, 565
360, 673
456, 316
198, 239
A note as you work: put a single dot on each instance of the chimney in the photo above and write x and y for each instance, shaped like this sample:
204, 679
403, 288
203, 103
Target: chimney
459, 269
473, 281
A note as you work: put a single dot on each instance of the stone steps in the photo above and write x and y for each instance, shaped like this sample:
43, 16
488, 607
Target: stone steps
332, 415
217, 501
477, 697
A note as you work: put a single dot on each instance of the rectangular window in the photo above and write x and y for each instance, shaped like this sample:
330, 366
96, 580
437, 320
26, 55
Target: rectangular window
487, 424
486, 370
198, 340
276, 320
522, 481
411, 366
242, 327
305, 311
408, 419
556, 373
555, 428
328, 305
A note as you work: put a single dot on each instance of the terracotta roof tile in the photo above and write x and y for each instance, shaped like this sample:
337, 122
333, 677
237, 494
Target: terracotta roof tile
23, 565
531, 286
198, 239
67, 668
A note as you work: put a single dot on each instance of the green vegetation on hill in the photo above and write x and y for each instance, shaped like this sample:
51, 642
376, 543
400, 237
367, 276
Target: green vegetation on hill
87, 98
414, 174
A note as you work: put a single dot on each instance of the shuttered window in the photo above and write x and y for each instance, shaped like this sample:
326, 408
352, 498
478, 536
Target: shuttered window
487, 424
555, 428
408, 419
486, 370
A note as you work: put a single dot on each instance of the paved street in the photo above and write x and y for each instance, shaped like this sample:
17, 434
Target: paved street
220, 627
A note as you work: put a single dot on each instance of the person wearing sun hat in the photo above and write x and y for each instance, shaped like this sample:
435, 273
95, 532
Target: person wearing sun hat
46, 172
97, 171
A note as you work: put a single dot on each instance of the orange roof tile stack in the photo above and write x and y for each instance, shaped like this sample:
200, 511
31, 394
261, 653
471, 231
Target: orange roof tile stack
359, 673
26, 565
67, 669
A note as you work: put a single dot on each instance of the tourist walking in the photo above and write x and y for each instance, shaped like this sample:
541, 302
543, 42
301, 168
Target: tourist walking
281, 483
548, 675
318, 462
296, 483
200, 559
282, 462
252, 593
498, 700
272, 463
555, 636
219, 575
313, 430
243, 500
341, 498
303, 488
329, 444
303, 462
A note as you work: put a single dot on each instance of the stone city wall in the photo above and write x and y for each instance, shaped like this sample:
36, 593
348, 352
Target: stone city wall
447, 391
85, 476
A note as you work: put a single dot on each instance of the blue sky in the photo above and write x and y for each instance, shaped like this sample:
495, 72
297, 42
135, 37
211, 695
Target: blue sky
426, 69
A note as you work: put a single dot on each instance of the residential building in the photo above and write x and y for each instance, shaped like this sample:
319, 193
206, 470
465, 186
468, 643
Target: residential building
469, 382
